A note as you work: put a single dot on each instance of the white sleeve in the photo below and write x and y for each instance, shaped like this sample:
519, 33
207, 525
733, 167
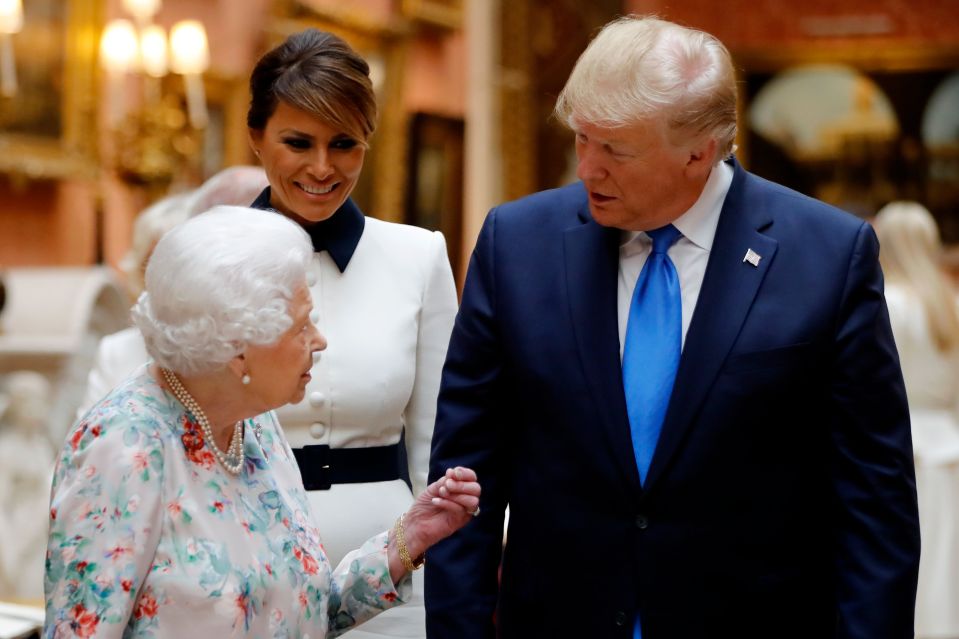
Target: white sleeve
99, 380
118, 356
435, 325
97, 565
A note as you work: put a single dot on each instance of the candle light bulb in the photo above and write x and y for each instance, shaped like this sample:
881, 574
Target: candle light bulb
119, 50
189, 52
153, 51
142, 10
11, 16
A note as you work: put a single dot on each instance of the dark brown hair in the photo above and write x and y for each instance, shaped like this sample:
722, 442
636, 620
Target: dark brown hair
319, 73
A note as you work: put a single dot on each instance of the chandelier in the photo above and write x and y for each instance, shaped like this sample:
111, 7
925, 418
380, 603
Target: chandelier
157, 130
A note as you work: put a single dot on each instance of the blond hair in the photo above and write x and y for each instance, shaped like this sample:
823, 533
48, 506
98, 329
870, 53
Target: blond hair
639, 68
910, 255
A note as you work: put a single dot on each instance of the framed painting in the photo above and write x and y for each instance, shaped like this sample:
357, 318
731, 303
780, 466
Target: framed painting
434, 193
48, 125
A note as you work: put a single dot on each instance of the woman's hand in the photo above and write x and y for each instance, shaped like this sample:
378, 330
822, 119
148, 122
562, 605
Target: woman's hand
444, 507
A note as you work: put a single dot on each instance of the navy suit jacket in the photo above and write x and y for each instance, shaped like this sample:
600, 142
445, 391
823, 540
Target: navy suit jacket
781, 500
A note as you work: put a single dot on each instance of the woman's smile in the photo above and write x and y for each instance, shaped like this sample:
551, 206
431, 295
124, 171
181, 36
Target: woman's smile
312, 166
317, 190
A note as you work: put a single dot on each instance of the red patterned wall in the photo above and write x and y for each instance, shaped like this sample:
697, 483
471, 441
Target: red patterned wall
752, 24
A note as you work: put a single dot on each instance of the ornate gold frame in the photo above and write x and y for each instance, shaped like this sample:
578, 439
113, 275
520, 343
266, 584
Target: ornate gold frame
941, 196
74, 153
865, 58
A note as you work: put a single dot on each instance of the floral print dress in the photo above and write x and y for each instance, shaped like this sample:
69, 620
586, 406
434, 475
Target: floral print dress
151, 537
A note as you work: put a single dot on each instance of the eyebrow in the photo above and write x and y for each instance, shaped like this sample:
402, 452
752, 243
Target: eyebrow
292, 131
336, 136
597, 139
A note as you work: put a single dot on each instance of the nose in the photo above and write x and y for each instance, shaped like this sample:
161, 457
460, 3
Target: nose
317, 341
320, 166
588, 166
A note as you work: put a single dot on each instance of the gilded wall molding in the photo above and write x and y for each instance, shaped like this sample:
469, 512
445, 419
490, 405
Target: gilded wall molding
68, 150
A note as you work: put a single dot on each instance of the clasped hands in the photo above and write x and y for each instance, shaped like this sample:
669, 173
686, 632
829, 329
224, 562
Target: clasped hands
444, 507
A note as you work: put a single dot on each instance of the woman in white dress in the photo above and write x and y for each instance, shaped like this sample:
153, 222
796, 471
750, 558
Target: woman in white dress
385, 296
925, 322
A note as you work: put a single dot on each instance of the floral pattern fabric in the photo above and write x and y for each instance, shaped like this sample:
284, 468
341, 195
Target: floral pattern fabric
151, 537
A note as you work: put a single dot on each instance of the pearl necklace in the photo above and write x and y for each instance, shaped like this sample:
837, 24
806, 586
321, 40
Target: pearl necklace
234, 457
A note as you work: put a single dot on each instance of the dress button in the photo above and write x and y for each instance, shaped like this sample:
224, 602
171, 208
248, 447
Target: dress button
311, 279
315, 316
642, 522
317, 399
620, 618
317, 430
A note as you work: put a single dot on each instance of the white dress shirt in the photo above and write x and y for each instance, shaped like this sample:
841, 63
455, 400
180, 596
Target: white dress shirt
689, 254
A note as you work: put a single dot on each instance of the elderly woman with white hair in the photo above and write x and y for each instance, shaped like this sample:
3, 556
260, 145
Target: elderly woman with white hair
177, 508
120, 353
925, 322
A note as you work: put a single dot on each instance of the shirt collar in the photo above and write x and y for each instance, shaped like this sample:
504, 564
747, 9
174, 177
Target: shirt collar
338, 235
698, 224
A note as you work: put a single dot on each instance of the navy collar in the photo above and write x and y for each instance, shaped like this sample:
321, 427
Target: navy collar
338, 235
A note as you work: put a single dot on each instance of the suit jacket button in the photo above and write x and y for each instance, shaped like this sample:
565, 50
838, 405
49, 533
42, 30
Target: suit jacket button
642, 522
620, 618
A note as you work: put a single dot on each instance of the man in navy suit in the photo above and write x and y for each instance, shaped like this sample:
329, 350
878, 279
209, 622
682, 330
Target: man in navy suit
774, 497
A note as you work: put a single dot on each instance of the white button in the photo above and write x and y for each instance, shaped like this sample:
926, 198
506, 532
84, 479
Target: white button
315, 316
317, 429
317, 399
311, 279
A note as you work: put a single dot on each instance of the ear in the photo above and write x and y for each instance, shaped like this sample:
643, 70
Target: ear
702, 157
255, 138
237, 365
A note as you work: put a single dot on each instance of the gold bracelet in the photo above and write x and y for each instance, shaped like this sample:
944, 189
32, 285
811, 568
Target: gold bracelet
408, 562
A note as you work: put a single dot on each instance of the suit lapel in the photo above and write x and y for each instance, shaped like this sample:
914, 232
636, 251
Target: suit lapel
729, 286
592, 271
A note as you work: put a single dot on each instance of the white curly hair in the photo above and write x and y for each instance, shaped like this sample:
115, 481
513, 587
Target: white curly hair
219, 282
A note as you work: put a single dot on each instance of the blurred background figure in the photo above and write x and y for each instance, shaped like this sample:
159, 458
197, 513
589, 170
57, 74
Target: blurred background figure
235, 186
925, 322
26, 467
121, 353
148, 228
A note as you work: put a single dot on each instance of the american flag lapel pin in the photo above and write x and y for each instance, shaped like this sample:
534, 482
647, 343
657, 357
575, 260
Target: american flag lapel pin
752, 257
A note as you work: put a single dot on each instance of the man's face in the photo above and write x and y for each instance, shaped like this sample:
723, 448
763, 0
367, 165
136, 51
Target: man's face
636, 178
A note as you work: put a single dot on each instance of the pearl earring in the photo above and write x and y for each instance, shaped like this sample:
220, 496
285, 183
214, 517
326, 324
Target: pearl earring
245, 379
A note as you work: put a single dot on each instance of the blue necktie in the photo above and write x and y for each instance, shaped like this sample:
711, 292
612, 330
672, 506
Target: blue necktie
653, 345
654, 341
